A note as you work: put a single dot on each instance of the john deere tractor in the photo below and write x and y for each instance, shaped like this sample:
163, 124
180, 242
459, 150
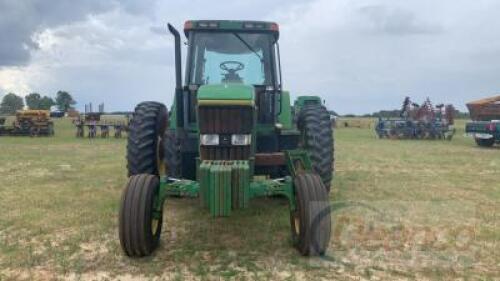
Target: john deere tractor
231, 135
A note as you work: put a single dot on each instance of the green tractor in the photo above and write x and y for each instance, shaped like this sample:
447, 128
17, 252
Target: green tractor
231, 135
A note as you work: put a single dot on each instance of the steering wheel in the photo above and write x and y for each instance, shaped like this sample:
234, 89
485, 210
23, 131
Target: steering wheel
225, 66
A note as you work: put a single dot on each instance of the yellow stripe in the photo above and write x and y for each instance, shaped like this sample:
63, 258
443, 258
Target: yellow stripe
226, 102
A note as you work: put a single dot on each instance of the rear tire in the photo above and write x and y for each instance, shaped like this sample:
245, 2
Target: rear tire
139, 231
317, 138
146, 133
173, 155
485, 142
311, 221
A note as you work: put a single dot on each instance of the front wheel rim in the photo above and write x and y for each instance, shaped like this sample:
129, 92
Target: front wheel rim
155, 223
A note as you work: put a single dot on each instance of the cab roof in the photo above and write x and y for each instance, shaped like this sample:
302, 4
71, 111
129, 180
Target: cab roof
231, 25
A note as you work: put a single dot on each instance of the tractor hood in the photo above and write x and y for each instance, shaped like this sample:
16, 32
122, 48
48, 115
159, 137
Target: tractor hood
226, 94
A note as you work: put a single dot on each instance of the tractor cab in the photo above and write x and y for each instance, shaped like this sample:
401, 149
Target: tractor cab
225, 53
232, 52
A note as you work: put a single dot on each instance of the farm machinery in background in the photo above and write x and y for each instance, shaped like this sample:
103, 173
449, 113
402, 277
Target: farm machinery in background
416, 121
231, 135
93, 123
27, 123
485, 127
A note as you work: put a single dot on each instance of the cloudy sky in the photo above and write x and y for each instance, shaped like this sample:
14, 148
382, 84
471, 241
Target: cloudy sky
361, 56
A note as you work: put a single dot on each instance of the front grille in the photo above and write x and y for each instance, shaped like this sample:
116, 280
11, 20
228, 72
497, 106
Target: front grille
225, 120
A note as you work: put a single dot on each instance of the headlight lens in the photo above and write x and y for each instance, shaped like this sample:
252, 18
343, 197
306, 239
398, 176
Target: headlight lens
241, 139
212, 139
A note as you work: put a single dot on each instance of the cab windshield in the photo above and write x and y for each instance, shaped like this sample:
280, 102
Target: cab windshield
231, 57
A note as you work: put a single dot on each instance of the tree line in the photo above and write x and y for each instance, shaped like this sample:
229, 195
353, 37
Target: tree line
12, 102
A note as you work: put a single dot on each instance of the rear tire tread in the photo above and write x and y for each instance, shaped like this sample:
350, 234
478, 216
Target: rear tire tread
172, 155
146, 129
314, 122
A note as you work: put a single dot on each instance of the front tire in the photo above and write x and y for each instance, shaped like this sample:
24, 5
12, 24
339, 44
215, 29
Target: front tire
139, 227
145, 137
311, 221
317, 139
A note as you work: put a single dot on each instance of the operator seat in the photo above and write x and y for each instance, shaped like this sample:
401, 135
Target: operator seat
232, 77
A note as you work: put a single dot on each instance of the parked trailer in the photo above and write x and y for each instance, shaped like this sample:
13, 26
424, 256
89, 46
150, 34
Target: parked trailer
485, 127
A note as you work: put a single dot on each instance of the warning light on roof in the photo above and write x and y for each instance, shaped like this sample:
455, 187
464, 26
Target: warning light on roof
188, 25
254, 25
204, 24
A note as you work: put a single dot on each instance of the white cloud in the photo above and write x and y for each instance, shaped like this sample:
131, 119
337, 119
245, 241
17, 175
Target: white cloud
14, 80
412, 48
362, 56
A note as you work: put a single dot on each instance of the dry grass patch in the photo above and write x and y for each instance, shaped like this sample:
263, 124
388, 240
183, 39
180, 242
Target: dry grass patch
403, 210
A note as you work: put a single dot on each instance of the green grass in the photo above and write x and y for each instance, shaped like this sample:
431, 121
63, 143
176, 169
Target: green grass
404, 210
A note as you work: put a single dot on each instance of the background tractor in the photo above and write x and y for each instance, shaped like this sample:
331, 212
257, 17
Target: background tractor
231, 135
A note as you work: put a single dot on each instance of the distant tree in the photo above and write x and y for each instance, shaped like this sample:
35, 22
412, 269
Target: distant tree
64, 101
387, 113
33, 100
11, 103
46, 103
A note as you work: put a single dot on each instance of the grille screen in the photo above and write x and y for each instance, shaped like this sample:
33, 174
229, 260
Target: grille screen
225, 120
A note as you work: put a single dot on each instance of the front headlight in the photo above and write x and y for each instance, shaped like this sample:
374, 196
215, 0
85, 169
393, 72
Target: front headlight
241, 139
212, 139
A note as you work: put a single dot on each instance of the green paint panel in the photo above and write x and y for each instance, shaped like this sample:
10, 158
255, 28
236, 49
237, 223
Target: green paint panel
178, 188
297, 161
240, 184
285, 116
204, 178
172, 117
227, 91
305, 100
224, 185
260, 188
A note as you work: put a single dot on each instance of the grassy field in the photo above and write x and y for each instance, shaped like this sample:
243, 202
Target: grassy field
402, 210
